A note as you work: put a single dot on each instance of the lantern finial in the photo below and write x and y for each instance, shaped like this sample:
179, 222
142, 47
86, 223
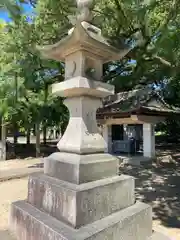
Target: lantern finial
85, 10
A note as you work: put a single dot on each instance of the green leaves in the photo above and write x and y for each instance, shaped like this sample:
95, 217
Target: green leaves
150, 27
29, 100
12, 7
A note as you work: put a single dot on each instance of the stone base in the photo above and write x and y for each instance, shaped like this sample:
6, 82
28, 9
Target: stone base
132, 223
79, 169
156, 236
82, 204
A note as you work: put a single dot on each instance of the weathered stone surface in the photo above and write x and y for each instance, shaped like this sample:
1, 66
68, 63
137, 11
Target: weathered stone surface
78, 169
82, 204
80, 86
82, 135
85, 7
133, 223
84, 37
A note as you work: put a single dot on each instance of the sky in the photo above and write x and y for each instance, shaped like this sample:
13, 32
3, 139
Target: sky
4, 14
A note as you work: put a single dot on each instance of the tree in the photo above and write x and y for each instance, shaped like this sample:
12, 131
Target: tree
149, 28
143, 25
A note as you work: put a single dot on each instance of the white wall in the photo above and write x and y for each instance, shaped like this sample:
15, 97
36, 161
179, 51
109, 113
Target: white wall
148, 140
107, 135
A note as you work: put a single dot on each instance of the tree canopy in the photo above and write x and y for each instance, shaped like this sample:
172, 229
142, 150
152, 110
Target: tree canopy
149, 27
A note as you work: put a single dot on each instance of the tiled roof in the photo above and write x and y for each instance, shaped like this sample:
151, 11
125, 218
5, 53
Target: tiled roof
144, 99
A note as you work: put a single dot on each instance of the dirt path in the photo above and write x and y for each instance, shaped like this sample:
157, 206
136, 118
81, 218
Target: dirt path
10, 191
19, 163
15, 169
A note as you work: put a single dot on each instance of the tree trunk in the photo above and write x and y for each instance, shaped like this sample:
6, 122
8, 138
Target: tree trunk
45, 120
15, 126
37, 139
34, 130
28, 136
63, 127
15, 132
3, 140
44, 134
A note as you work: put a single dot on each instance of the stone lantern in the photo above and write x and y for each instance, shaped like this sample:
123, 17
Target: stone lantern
80, 195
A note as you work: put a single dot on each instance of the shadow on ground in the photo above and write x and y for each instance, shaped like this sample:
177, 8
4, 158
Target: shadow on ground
159, 186
22, 151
